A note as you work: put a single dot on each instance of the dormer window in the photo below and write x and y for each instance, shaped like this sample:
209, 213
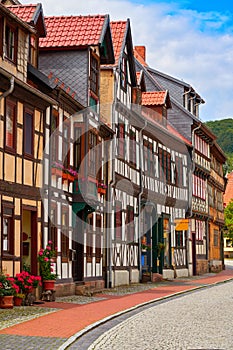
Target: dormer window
94, 76
33, 50
11, 43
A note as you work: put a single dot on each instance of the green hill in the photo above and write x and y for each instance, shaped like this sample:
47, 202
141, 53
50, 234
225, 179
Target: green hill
223, 129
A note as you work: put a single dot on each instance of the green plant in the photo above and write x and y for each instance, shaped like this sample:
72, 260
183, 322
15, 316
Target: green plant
46, 260
20, 295
7, 285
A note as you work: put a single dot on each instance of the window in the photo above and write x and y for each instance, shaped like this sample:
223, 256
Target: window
10, 125
92, 152
124, 73
216, 238
121, 139
165, 165
200, 231
8, 231
54, 133
77, 147
98, 254
199, 187
201, 146
28, 133
11, 43
130, 223
94, 75
149, 158
53, 228
65, 235
66, 144
118, 221
132, 135
33, 50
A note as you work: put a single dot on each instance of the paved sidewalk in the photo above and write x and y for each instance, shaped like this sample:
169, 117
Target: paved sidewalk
69, 319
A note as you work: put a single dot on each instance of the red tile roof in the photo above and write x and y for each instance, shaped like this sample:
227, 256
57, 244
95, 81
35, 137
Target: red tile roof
154, 98
228, 196
118, 30
68, 31
24, 12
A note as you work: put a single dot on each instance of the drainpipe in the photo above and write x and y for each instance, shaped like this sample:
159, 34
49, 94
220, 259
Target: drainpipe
186, 100
5, 94
140, 199
9, 91
192, 171
110, 190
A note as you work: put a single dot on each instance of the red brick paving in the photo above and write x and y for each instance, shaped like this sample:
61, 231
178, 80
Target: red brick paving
65, 323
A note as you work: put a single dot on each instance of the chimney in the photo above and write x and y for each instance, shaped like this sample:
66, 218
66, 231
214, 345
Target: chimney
141, 50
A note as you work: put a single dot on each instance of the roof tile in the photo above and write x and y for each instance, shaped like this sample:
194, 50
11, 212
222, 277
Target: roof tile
118, 33
72, 31
24, 12
154, 98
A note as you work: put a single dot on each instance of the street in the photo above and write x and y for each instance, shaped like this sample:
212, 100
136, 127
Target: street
198, 320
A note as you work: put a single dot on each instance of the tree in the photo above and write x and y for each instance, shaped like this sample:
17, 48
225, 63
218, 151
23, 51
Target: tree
228, 213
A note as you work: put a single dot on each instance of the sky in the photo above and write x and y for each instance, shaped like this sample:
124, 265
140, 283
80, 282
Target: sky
189, 40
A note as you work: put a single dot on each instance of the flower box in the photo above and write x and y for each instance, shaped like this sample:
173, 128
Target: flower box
57, 172
101, 190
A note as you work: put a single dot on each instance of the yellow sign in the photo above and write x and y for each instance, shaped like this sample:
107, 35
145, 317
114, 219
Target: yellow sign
182, 225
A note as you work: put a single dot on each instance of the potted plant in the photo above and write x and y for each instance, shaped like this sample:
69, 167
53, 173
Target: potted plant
18, 299
7, 291
46, 260
27, 283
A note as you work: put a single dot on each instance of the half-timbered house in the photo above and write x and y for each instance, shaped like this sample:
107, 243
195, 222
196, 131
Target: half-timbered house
165, 171
72, 52
23, 111
216, 188
184, 117
117, 84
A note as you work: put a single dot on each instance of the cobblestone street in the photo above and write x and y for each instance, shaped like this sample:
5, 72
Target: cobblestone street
199, 320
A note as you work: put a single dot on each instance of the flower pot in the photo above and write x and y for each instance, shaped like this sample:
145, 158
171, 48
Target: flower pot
18, 301
48, 284
6, 302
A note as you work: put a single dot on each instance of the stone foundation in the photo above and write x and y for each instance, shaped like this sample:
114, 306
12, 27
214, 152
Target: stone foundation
89, 287
65, 289
202, 267
216, 265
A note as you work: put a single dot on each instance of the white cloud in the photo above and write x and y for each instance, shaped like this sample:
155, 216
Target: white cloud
185, 44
